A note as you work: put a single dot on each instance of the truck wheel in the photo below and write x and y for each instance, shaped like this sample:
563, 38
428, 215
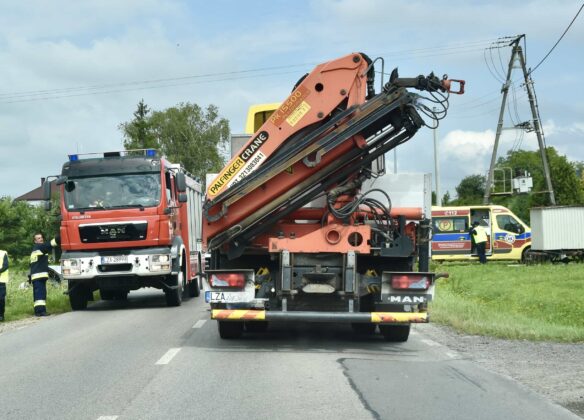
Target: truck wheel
256, 326
395, 333
230, 329
174, 296
106, 294
194, 288
363, 328
121, 295
78, 296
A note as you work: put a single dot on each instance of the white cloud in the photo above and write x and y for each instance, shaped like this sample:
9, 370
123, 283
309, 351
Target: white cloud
467, 145
112, 42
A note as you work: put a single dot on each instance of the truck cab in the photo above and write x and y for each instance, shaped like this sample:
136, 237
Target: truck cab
508, 236
129, 220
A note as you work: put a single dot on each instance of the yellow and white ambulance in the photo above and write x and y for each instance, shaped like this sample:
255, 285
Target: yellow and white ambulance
508, 236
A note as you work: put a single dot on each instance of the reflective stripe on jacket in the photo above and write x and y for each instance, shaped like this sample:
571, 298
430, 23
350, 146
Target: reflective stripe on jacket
39, 260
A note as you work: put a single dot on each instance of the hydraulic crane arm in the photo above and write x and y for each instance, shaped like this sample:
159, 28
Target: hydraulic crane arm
331, 128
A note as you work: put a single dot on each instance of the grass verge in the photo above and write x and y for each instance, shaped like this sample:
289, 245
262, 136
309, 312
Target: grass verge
19, 301
541, 302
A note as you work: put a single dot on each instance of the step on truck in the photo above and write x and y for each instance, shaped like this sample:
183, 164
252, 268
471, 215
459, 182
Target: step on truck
292, 230
129, 220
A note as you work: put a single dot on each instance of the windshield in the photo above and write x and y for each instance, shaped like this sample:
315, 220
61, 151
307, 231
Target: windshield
140, 190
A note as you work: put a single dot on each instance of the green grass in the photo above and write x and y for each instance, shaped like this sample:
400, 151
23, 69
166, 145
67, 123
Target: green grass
540, 302
19, 302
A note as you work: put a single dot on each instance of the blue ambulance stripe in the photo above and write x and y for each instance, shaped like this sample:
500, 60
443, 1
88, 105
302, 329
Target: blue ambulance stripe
438, 237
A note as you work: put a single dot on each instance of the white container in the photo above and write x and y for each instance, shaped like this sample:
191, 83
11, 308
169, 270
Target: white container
404, 190
557, 228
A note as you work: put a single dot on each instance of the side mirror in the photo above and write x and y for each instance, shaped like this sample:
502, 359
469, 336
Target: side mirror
46, 190
69, 186
61, 180
182, 198
181, 183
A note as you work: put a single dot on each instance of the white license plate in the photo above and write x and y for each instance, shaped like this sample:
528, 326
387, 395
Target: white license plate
114, 259
225, 297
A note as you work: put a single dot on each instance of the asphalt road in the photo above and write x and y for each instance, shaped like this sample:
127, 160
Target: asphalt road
142, 360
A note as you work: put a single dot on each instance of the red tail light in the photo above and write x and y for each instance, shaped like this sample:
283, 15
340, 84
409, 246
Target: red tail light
410, 281
227, 280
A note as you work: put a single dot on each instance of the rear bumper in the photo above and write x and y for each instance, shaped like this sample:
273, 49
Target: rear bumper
313, 316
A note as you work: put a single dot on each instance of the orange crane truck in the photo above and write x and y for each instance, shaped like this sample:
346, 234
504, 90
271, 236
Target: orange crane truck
291, 234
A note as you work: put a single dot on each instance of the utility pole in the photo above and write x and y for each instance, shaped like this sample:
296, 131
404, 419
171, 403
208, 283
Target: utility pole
436, 166
517, 51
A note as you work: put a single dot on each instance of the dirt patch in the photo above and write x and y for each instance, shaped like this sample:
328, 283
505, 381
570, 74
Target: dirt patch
553, 370
17, 325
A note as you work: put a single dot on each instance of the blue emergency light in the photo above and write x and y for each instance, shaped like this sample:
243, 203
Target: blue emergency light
150, 152
73, 158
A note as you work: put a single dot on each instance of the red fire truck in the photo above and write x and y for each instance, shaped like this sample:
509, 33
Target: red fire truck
129, 220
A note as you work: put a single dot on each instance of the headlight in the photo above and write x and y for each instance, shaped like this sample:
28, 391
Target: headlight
70, 267
160, 262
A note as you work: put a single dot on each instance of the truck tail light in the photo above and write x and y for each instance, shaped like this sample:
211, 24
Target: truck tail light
410, 282
227, 280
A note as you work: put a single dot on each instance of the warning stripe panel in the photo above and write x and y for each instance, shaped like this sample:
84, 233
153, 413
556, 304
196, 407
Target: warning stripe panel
396, 317
234, 314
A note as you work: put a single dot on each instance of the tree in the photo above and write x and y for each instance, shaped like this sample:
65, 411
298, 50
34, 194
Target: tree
185, 133
18, 222
138, 133
565, 182
470, 190
446, 199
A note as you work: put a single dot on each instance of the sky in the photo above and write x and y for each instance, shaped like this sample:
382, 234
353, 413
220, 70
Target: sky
72, 72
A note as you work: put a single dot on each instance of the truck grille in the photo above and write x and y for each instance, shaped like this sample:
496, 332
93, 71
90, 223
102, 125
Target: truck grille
113, 232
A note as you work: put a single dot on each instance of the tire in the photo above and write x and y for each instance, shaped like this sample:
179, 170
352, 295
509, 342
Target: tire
395, 333
194, 288
364, 328
78, 296
526, 256
106, 294
174, 296
121, 294
230, 329
256, 326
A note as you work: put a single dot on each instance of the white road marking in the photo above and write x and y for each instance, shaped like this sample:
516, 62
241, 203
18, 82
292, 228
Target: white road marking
429, 342
164, 360
107, 418
199, 323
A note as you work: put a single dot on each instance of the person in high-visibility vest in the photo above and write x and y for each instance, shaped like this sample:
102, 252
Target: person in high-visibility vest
479, 237
39, 272
3, 282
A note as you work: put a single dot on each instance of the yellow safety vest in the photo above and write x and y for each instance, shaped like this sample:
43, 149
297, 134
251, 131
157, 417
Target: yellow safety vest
481, 234
4, 275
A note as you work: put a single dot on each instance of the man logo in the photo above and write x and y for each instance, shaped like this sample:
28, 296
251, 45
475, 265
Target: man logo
406, 299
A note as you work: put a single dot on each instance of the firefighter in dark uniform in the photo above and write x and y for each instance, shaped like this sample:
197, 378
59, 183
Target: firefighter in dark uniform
39, 272
3, 281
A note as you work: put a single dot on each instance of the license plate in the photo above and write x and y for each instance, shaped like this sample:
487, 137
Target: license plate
225, 297
114, 259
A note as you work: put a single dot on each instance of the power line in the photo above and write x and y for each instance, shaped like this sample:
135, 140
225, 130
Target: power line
129, 89
47, 94
550, 51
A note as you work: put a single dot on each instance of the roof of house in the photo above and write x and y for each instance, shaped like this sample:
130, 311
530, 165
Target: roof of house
37, 193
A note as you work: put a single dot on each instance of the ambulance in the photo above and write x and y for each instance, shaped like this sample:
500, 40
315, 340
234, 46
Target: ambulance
508, 236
